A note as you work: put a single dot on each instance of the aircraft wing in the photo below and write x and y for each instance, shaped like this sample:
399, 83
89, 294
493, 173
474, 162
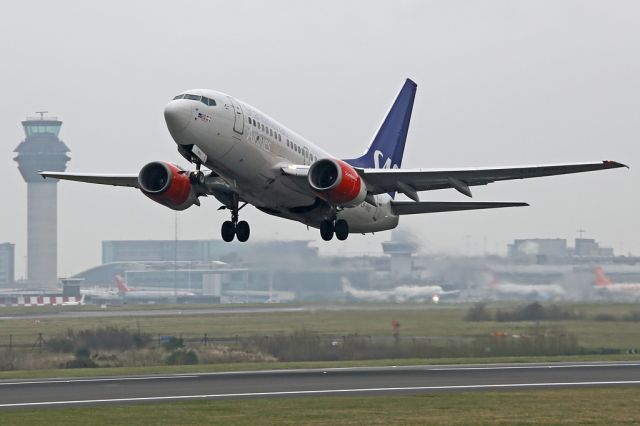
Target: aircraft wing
412, 207
130, 180
408, 181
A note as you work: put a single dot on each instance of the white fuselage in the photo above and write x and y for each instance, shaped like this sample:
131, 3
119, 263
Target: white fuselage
248, 149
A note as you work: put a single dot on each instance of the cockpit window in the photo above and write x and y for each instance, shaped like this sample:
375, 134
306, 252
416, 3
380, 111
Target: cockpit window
208, 101
204, 100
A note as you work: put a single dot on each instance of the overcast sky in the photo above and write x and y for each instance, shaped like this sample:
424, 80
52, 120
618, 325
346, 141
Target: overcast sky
499, 83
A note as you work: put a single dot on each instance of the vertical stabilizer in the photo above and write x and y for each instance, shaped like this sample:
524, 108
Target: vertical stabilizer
601, 279
387, 147
122, 285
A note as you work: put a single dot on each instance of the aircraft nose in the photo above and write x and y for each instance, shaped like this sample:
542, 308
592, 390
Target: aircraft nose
177, 114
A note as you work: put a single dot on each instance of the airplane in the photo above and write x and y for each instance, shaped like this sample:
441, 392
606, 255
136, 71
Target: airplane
518, 290
131, 293
603, 283
254, 159
74, 302
99, 293
400, 294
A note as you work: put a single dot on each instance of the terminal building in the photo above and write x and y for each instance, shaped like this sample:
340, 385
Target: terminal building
557, 251
255, 271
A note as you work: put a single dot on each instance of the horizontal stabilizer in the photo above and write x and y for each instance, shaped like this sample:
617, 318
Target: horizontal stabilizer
410, 207
130, 180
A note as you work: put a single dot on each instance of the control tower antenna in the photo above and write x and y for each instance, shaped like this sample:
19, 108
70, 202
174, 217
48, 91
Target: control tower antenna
580, 232
42, 113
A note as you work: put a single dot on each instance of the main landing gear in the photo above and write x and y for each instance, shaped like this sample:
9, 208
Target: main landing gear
233, 228
338, 227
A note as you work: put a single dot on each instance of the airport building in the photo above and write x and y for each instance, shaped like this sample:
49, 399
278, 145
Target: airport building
41, 150
261, 271
7, 265
557, 250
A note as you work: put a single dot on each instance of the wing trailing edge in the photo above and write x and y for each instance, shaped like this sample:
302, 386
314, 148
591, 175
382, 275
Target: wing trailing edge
411, 207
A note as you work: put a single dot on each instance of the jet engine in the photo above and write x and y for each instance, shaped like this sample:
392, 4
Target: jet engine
337, 182
168, 185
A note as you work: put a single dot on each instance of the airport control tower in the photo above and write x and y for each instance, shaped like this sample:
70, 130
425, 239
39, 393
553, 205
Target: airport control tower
42, 150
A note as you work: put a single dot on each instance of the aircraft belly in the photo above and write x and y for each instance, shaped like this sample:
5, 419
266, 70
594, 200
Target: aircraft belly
366, 218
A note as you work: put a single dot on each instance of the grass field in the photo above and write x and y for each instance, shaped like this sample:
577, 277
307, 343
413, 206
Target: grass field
415, 320
559, 406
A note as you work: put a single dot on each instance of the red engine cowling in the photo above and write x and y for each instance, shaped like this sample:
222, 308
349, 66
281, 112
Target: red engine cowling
337, 182
168, 185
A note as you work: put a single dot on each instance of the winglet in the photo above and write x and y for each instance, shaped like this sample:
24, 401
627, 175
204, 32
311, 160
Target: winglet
610, 164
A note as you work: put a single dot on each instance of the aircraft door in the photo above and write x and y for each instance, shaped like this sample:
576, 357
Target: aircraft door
238, 117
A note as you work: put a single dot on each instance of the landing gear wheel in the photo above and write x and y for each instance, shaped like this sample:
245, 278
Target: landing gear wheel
342, 229
242, 231
326, 230
196, 177
228, 231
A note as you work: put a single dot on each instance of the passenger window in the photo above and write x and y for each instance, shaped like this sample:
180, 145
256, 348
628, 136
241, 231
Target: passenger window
254, 123
271, 132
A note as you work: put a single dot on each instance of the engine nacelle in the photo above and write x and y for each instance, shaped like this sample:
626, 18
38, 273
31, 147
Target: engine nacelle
337, 182
168, 185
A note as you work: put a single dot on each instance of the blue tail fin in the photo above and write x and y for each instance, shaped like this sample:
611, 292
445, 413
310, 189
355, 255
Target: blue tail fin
387, 147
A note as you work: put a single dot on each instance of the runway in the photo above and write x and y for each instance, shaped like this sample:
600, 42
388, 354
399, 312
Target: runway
214, 310
313, 382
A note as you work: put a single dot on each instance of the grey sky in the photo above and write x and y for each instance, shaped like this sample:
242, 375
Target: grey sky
499, 83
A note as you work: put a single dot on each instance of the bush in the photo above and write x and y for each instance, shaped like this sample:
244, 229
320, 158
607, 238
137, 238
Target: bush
478, 312
106, 338
182, 357
605, 317
82, 360
537, 312
173, 343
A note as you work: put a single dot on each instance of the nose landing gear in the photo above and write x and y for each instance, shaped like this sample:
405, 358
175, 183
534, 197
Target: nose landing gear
339, 227
197, 177
234, 228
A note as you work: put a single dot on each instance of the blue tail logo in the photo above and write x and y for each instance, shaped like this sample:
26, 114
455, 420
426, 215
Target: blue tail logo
387, 147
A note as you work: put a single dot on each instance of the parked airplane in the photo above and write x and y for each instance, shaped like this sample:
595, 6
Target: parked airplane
131, 293
256, 160
604, 284
403, 293
72, 301
100, 293
503, 290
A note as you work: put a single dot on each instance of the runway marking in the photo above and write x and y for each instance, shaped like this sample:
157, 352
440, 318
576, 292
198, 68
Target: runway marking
539, 366
320, 392
101, 379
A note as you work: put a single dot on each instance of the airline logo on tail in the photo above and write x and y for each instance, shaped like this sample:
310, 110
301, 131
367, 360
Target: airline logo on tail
601, 279
378, 156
